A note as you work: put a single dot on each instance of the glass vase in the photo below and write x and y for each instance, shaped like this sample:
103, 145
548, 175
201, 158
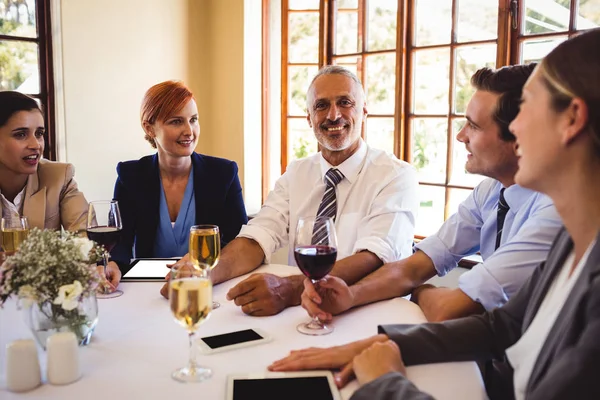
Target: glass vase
45, 319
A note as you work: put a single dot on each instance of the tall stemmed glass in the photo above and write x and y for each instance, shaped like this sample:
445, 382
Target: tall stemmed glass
315, 251
104, 227
190, 299
205, 249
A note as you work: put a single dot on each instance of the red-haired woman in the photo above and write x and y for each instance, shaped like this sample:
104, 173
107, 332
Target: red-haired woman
162, 195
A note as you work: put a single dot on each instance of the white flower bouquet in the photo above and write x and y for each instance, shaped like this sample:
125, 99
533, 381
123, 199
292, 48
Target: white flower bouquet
57, 272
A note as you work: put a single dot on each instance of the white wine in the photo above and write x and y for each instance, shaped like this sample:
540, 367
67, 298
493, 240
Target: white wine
12, 239
205, 248
191, 301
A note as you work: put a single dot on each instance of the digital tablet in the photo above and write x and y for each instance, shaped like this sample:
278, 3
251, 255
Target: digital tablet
312, 385
232, 340
148, 269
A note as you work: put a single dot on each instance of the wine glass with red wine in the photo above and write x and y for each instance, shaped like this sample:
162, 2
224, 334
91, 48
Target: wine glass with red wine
315, 251
104, 227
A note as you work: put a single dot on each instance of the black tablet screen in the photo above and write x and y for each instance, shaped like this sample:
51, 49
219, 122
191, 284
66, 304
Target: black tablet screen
305, 388
227, 339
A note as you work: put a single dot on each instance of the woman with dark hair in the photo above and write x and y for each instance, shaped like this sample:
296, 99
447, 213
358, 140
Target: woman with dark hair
161, 196
544, 343
41, 190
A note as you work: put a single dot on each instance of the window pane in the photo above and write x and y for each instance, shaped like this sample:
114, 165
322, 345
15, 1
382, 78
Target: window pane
455, 197
303, 4
535, 50
546, 16
430, 92
468, 61
19, 67
380, 133
381, 25
299, 79
304, 38
347, 4
429, 148
301, 139
433, 22
431, 210
479, 25
346, 33
458, 175
350, 63
589, 14
18, 20
381, 83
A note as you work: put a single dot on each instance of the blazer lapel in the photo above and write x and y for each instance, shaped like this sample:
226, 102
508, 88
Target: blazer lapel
34, 205
562, 247
202, 182
565, 321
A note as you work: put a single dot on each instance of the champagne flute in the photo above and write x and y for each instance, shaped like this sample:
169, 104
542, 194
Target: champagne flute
104, 227
205, 249
315, 251
14, 231
190, 299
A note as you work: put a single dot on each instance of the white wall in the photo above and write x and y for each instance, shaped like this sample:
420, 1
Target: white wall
113, 51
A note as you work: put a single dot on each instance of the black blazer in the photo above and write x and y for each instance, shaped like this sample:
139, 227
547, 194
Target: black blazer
569, 360
218, 199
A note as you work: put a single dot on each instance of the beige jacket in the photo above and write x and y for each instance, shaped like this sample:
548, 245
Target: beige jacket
52, 199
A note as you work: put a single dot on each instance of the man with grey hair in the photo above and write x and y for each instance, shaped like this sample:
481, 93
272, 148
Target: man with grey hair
375, 198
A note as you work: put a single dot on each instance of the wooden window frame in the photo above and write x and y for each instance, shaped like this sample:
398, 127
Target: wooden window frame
46, 72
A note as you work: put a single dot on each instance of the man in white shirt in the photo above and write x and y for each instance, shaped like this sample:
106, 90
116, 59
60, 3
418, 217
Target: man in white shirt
376, 202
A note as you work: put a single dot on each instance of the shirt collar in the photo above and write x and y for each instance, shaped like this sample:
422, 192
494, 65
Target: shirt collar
516, 196
10, 208
351, 167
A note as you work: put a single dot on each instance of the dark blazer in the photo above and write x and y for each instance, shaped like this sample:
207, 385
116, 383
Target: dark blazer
569, 361
218, 199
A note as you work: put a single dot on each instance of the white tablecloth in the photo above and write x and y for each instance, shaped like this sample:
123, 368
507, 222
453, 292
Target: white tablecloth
137, 345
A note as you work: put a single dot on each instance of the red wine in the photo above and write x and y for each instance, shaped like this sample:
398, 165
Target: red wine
107, 236
315, 261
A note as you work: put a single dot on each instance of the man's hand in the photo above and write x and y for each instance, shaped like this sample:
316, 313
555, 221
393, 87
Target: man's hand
266, 294
379, 359
328, 358
441, 304
331, 297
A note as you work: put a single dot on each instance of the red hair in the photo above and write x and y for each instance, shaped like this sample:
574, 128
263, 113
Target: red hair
162, 101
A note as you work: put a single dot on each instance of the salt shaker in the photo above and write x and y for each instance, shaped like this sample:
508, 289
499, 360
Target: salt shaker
63, 358
22, 366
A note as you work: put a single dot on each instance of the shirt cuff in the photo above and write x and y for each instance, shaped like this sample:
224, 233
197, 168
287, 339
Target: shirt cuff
376, 246
435, 249
260, 236
482, 287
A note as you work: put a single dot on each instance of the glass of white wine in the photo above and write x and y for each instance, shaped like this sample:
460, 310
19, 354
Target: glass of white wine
205, 248
190, 299
14, 231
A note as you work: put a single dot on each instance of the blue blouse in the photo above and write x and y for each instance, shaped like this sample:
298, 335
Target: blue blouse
172, 240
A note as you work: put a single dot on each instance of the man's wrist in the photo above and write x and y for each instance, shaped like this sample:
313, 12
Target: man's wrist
296, 283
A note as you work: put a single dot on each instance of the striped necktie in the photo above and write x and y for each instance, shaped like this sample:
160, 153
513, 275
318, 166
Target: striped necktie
328, 206
503, 208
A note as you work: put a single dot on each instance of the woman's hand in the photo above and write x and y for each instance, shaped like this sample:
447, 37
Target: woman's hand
110, 277
377, 360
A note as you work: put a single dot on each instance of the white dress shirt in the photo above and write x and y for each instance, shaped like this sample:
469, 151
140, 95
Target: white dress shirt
524, 353
13, 209
377, 205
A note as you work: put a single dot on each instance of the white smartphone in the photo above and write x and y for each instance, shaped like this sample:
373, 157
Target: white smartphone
232, 340
313, 385
148, 269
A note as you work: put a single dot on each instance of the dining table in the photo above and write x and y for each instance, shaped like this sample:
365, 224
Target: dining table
137, 344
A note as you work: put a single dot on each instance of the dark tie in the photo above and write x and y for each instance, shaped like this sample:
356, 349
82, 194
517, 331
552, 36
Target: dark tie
502, 210
328, 206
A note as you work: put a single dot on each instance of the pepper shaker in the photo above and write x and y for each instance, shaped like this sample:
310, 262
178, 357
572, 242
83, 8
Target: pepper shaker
63, 358
22, 366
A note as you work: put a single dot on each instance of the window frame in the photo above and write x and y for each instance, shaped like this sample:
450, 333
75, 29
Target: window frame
46, 72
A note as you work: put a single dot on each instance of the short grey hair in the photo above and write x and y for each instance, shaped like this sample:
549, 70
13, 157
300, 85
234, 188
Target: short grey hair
334, 70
